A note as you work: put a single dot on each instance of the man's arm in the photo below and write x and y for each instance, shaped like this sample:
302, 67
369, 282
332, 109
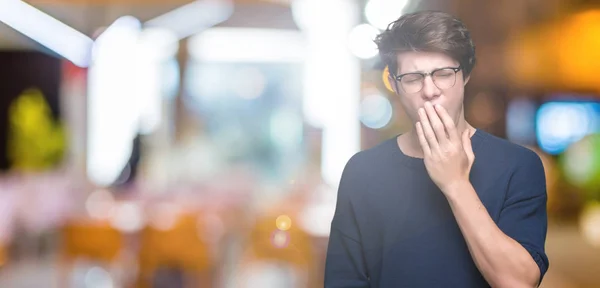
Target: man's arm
345, 265
502, 260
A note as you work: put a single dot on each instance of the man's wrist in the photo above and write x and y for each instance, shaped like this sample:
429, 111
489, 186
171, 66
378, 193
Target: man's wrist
456, 188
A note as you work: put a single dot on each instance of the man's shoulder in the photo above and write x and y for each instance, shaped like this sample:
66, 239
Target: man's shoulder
498, 150
373, 155
364, 162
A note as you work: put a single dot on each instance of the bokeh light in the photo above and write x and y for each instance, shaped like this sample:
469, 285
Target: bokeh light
380, 13
283, 222
100, 204
128, 217
280, 239
98, 277
581, 163
376, 111
361, 41
561, 123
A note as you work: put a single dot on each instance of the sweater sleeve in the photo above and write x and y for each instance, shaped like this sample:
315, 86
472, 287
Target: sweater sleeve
524, 216
345, 265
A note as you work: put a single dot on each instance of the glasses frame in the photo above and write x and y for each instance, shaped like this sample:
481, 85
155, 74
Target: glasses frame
398, 78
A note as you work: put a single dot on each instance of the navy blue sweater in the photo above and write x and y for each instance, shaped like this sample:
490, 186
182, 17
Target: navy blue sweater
394, 228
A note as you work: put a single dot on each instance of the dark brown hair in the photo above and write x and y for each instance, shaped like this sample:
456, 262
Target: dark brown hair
429, 31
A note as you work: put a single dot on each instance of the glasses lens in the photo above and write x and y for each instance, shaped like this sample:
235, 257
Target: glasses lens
412, 83
444, 78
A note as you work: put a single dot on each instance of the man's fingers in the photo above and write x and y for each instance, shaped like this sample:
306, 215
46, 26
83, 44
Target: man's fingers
436, 124
428, 131
422, 140
448, 122
466, 141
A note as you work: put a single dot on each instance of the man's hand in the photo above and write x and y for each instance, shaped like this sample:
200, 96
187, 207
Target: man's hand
448, 156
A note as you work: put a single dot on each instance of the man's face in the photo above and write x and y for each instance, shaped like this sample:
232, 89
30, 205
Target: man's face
450, 98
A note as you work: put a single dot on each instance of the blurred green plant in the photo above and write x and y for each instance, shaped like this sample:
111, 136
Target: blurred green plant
36, 142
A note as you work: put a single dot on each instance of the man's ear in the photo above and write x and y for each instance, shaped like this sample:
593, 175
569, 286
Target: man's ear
467, 79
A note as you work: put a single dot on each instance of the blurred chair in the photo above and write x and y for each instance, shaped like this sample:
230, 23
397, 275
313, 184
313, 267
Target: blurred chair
95, 241
179, 246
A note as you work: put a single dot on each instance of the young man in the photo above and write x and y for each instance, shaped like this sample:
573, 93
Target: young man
445, 204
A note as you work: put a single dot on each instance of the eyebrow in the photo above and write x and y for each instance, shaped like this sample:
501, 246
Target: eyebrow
421, 71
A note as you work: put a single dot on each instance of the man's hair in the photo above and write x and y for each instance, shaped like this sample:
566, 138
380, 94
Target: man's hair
427, 31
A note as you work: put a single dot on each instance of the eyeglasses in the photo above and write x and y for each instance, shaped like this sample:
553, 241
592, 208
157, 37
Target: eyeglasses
413, 82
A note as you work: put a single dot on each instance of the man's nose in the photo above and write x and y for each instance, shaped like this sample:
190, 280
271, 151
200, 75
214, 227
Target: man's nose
430, 91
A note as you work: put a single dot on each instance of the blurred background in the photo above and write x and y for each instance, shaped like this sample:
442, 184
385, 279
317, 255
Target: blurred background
148, 143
